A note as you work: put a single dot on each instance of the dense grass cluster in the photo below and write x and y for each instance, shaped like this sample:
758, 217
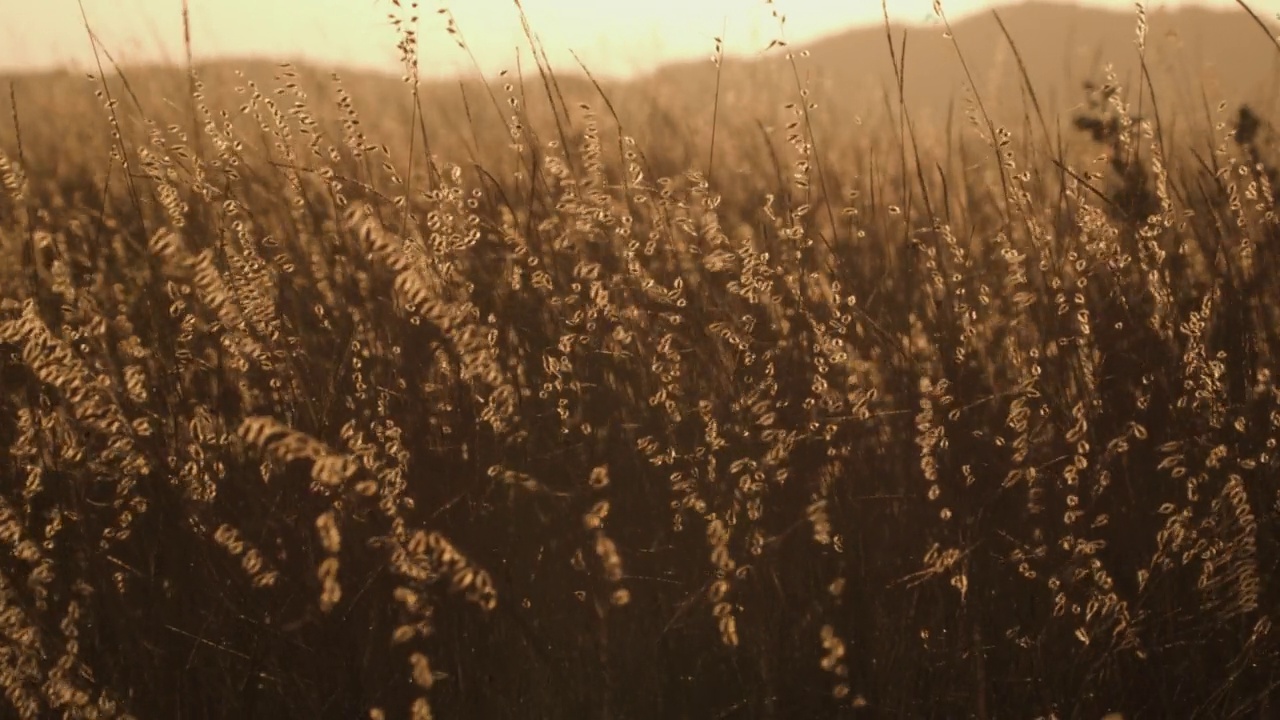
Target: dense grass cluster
295, 425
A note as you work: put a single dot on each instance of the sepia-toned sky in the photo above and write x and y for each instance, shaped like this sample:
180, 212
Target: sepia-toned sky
612, 37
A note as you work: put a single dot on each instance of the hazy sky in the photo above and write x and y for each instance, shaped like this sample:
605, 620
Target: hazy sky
611, 36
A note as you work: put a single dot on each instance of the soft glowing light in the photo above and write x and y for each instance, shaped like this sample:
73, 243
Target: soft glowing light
611, 37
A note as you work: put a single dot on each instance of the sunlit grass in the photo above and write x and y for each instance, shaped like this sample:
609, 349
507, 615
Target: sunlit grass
528, 417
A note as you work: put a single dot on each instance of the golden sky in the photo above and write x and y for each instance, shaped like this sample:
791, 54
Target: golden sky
612, 37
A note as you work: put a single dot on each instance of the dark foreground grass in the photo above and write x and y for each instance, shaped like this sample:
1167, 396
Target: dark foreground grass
956, 423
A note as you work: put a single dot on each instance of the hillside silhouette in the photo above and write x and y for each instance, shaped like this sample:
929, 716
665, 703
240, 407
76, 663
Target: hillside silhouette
1203, 65
1061, 46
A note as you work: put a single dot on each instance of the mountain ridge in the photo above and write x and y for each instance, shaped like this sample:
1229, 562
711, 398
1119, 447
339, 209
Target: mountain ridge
1060, 45
1202, 63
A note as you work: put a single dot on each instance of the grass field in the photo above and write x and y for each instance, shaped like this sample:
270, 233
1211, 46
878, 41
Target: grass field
542, 397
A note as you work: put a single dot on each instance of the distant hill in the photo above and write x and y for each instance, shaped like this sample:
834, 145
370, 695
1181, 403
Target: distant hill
1197, 59
1061, 46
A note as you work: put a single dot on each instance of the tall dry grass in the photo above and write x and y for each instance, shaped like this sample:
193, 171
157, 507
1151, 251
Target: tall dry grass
977, 420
